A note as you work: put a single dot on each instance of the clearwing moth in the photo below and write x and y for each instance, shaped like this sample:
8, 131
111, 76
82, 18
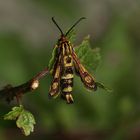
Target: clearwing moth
65, 64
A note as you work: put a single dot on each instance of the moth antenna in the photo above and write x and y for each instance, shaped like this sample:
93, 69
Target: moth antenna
57, 26
74, 25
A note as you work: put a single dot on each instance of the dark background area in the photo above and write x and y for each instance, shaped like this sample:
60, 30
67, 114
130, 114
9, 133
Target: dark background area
27, 37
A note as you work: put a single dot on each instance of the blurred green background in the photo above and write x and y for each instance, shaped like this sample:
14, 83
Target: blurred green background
27, 37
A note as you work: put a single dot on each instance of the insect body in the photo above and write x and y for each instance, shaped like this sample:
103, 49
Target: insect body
66, 63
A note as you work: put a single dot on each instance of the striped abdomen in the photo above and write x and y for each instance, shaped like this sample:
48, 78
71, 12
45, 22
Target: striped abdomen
66, 81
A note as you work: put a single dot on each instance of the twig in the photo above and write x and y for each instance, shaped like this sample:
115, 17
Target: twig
9, 92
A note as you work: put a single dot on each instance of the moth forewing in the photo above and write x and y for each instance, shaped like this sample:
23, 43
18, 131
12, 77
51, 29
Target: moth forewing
86, 78
55, 85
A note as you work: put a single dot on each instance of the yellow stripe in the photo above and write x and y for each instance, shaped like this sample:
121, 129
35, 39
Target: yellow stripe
63, 48
57, 73
82, 68
70, 49
68, 89
68, 64
67, 49
68, 76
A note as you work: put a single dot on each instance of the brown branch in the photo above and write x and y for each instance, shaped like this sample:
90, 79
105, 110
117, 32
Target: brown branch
9, 92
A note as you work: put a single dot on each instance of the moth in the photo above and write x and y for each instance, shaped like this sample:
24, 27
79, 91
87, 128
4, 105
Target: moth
66, 63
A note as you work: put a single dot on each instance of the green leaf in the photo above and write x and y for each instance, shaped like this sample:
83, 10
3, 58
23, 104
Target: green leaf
24, 119
52, 60
101, 85
89, 57
26, 122
12, 115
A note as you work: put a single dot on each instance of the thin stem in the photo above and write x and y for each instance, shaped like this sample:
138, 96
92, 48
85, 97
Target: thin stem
9, 92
